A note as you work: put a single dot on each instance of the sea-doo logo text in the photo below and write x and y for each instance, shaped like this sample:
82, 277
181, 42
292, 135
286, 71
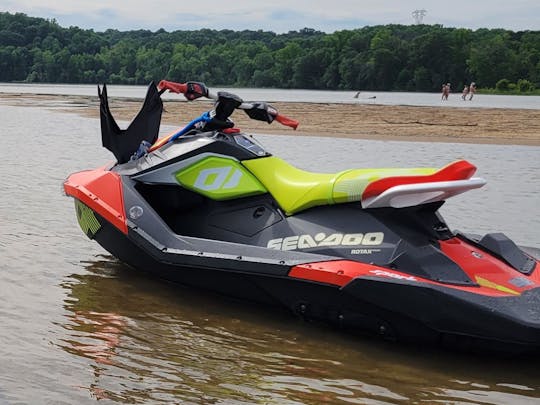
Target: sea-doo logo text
217, 178
321, 239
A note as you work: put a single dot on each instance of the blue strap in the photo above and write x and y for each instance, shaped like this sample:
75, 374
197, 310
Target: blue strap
205, 117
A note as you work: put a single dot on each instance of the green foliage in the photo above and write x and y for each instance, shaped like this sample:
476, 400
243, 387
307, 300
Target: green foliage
503, 85
524, 86
390, 57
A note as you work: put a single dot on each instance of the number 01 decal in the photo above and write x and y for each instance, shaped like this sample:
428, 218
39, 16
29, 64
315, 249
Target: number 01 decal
219, 179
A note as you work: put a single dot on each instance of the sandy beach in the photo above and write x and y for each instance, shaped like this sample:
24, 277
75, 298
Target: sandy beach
404, 123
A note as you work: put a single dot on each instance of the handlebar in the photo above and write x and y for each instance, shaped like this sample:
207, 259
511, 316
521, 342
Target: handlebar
195, 90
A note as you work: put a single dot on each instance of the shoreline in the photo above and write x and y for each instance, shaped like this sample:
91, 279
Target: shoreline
358, 121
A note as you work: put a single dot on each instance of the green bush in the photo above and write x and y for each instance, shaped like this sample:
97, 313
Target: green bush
524, 86
503, 85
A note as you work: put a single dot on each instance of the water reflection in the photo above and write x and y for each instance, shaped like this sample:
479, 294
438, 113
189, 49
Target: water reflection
104, 330
147, 340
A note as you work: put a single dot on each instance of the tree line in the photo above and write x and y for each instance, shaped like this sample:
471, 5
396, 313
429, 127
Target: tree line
386, 57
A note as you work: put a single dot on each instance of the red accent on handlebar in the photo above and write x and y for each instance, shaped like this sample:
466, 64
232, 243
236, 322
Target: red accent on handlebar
172, 86
286, 121
191, 93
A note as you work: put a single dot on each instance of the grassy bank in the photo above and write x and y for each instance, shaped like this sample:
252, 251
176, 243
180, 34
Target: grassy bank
535, 92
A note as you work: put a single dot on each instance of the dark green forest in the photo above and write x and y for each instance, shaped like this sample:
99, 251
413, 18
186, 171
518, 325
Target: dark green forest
388, 57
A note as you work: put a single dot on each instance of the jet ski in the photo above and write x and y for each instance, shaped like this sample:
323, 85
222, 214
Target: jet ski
366, 250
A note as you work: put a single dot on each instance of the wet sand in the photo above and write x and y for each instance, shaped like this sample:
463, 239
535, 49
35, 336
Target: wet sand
404, 123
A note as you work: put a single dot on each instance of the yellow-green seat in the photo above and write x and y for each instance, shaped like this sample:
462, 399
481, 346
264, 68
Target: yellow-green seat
296, 190
350, 184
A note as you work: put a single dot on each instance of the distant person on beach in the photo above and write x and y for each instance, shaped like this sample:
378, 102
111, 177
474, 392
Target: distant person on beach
465, 92
445, 91
472, 90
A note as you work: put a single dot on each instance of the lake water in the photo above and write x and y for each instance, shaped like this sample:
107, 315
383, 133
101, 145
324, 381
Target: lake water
78, 327
308, 96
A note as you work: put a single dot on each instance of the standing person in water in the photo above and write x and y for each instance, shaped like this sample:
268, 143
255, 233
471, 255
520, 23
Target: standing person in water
465, 92
445, 91
472, 90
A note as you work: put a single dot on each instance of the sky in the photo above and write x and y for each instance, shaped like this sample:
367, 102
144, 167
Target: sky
278, 15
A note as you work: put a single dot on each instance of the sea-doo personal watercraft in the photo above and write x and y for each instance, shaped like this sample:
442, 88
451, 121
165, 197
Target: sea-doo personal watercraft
364, 249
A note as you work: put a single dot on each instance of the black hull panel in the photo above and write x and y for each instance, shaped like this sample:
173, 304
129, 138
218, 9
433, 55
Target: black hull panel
389, 310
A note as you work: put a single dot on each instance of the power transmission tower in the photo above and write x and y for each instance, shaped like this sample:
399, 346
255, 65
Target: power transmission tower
419, 15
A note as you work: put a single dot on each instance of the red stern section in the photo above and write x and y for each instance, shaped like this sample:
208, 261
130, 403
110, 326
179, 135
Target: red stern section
497, 277
492, 276
101, 190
